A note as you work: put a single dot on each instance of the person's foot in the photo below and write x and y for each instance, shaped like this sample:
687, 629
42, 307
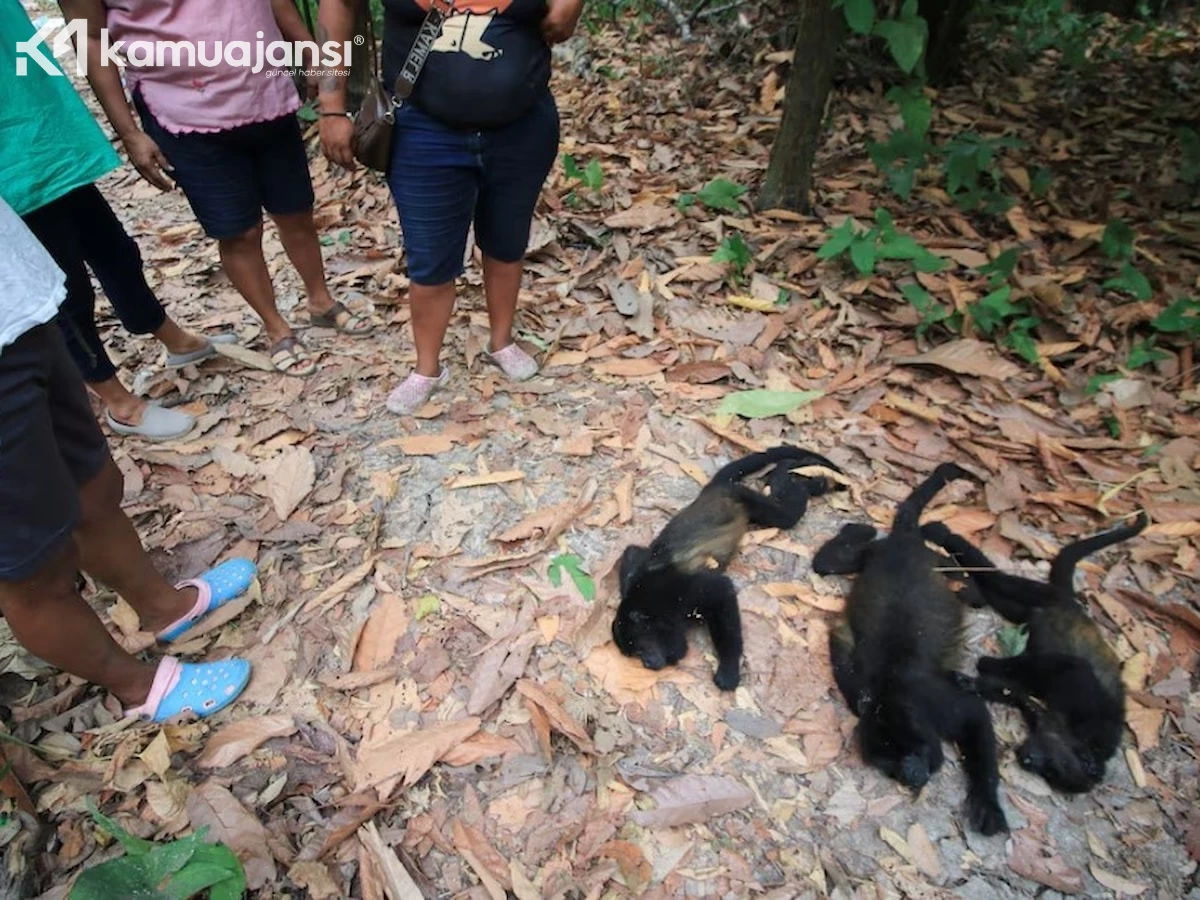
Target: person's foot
215, 588
191, 689
184, 342
414, 392
180, 602
151, 422
290, 357
335, 315
514, 362
206, 350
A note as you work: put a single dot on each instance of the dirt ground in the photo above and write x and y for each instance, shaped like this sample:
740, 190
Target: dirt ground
437, 708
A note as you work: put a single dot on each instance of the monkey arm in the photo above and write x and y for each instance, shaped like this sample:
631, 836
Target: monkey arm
967, 723
1014, 597
845, 552
716, 601
782, 510
845, 673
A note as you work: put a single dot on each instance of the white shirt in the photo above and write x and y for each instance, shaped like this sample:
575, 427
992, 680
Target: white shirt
32, 287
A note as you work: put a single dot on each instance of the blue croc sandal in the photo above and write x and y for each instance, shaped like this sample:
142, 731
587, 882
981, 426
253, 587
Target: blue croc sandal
215, 588
198, 689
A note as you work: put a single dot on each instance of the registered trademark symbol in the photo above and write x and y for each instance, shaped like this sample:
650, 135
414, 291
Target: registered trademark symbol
359, 40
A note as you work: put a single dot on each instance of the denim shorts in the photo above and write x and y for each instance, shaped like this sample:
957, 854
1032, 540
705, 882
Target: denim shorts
230, 177
50, 447
442, 179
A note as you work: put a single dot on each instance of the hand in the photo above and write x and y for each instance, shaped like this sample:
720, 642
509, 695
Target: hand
337, 141
148, 160
561, 18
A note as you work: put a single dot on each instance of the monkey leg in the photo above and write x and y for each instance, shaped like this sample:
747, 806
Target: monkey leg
717, 603
845, 673
782, 511
970, 727
845, 553
633, 563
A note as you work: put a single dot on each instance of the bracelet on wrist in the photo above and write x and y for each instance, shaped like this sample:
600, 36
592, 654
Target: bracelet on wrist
342, 113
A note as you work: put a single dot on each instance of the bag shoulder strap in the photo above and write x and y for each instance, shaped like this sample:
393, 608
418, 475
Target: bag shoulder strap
431, 28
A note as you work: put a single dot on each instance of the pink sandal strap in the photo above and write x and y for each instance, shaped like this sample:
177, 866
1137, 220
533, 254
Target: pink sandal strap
165, 679
199, 608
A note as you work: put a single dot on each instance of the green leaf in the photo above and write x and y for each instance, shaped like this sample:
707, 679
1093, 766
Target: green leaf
571, 168
917, 296
860, 15
990, 312
915, 109
839, 240
1113, 426
126, 877
1117, 240
733, 250
593, 175
213, 867
685, 201
429, 605
1096, 382
721, 193
1000, 269
1012, 639
1181, 317
306, 113
1143, 353
1040, 182
1131, 281
905, 39
573, 566
1023, 344
862, 254
762, 404
134, 846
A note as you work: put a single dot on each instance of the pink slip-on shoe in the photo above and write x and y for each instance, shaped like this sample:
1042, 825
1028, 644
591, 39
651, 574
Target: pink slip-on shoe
515, 362
414, 392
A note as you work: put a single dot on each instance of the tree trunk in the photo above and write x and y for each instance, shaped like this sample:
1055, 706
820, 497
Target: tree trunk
947, 21
789, 174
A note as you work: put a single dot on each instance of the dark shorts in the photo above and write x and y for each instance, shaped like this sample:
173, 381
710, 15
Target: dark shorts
230, 177
443, 179
50, 446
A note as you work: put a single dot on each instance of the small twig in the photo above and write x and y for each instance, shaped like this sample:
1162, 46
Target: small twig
717, 10
681, 20
695, 13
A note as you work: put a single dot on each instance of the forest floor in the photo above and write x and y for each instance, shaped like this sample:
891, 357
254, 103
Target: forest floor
435, 686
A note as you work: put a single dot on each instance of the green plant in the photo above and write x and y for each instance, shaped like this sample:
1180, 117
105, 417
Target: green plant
175, 870
972, 178
573, 566
1143, 353
590, 176
720, 193
1096, 382
735, 251
931, 312
1117, 244
1117, 240
883, 242
1182, 318
906, 34
1130, 281
997, 316
1013, 638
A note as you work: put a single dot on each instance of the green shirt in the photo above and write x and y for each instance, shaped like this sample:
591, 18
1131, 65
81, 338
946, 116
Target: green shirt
49, 142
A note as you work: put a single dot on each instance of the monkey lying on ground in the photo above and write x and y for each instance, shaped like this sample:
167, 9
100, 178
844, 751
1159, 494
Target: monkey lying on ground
681, 575
1067, 681
894, 652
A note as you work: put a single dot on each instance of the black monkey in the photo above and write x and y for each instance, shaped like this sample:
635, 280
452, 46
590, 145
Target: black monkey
894, 654
1067, 682
681, 575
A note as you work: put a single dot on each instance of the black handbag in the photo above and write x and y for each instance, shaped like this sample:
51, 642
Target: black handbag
375, 121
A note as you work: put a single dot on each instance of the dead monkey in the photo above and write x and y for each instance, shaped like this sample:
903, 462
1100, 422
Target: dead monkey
1067, 682
894, 654
681, 576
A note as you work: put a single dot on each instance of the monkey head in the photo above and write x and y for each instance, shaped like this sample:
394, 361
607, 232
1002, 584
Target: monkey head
897, 739
658, 642
1066, 764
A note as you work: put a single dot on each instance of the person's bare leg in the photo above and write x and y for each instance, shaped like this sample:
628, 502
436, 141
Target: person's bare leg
178, 340
502, 286
298, 235
124, 406
431, 307
54, 623
110, 550
242, 259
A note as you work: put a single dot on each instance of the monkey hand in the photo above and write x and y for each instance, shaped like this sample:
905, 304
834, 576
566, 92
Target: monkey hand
985, 815
728, 675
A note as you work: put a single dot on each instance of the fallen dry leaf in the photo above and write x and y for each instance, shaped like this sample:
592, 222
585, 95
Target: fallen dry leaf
966, 357
1122, 887
287, 479
482, 857
314, 877
1031, 859
403, 758
694, 798
229, 822
234, 741
559, 717
420, 444
628, 368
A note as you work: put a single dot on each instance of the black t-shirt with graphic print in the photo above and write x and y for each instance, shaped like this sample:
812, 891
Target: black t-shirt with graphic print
488, 67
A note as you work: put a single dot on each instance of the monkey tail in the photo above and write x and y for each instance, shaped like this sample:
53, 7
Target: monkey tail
1062, 570
908, 514
756, 462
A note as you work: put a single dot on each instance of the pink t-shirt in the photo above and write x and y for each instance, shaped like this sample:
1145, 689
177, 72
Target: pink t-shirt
192, 96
